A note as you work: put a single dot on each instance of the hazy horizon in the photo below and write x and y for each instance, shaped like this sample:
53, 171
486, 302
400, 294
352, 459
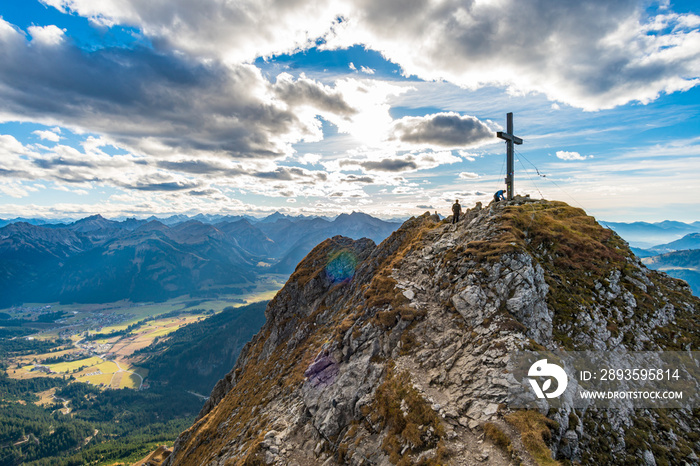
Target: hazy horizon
262, 215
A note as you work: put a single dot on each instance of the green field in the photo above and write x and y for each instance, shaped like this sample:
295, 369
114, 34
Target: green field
264, 289
122, 328
68, 367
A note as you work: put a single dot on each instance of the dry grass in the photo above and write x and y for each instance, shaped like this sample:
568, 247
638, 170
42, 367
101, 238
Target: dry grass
498, 437
46, 397
535, 431
573, 239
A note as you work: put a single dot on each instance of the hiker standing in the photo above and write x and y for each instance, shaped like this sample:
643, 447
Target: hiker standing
456, 210
499, 196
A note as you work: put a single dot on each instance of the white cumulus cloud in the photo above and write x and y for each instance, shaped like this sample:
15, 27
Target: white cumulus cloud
47, 135
46, 35
566, 155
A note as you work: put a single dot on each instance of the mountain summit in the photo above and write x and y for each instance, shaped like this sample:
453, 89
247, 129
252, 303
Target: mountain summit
398, 353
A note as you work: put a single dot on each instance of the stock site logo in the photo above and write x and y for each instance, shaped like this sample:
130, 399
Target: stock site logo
542, 369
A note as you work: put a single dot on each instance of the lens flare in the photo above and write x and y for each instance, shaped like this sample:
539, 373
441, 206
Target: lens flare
341, 266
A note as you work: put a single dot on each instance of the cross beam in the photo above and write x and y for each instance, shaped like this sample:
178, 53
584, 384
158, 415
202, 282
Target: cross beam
510, 139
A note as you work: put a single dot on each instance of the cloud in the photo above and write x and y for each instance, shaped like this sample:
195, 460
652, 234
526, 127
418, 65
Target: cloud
10, 145
198, 167
13, 189
235, 32
389, 165
163, 182
209, 192
564, 155
591, 54
468, 156
376, 162
46, 35
364, 69
358, 179
305, 91
442, 129
468, 176
47, 135
83, 171
310, 159
80, 192
161, 102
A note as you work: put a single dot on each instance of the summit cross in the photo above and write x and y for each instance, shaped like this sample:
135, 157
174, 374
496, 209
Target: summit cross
510, 139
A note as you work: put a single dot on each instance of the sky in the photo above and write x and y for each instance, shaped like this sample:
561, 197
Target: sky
136, 108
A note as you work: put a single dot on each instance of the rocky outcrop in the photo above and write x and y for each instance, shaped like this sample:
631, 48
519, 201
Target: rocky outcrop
400, 353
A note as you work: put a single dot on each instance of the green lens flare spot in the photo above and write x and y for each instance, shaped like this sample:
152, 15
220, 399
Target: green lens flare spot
341, 266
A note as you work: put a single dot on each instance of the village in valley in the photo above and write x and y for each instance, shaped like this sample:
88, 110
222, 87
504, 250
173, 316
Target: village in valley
101, 344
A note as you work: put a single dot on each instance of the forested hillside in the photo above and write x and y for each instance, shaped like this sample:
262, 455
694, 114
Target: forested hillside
196, 356
56, 421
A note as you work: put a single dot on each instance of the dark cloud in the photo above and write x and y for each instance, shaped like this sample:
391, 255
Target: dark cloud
203, 192
292, 174
442, 129
160, 182
62, 162
22, 174
358, 179
198, 167
307, 92
390, 165
169, 186
281, 174
71, 175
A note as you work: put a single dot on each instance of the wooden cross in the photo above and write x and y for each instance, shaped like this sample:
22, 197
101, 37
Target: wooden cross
510, 140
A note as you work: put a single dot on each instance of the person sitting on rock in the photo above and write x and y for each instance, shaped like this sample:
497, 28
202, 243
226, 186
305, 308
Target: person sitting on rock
456, 210
499, 196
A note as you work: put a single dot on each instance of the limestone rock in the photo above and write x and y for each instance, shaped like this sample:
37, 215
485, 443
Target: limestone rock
409, 359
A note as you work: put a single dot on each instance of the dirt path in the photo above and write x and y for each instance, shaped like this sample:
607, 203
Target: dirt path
66, 409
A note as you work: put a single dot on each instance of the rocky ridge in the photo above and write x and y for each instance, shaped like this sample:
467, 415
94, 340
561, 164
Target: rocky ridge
399, 353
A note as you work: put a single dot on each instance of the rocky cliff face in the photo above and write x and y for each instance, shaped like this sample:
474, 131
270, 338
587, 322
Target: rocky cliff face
398, 353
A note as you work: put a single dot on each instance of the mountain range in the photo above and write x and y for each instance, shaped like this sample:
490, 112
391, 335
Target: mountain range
179, 218
679, 259
95, 260
682, 264
646, 235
